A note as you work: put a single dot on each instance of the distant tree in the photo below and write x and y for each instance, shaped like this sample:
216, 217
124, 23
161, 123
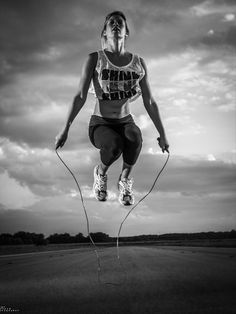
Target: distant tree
25, 236
79, 238
38, 239
232, 234
61, 238
100, 237
6, 239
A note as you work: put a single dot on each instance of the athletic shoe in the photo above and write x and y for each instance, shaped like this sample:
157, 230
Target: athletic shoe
126, 196
100, 185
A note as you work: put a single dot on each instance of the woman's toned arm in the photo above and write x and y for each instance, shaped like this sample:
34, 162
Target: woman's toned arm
80, 98
152, 108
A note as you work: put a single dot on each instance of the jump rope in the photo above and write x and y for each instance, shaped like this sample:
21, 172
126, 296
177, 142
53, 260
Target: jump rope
95, 249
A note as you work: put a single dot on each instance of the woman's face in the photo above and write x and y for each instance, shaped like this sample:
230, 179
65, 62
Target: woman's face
115, 27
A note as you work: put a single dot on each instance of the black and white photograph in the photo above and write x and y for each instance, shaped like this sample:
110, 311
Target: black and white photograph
118, 156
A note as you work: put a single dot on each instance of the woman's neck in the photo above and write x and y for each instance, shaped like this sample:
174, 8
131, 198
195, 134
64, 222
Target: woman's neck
116, 46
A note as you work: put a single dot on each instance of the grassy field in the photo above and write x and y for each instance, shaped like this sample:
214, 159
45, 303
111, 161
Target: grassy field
19, 249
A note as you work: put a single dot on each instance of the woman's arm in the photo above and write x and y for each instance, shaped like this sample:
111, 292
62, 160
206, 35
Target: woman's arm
80, 98
152, 108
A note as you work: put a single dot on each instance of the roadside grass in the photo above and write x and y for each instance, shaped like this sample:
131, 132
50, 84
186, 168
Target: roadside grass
30, 248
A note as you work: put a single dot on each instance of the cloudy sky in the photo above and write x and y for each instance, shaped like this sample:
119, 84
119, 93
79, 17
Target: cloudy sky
189, 47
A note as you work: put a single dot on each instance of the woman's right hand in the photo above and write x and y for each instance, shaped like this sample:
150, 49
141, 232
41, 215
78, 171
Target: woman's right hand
61, 138
163, 143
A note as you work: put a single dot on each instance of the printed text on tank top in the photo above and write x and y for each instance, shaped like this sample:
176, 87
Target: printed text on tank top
112, 82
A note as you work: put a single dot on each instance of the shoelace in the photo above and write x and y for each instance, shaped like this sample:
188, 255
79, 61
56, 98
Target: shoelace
127, 186
102, 182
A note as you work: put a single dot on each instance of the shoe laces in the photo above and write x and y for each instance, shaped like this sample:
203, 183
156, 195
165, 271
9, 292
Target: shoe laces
102, 182
127, 186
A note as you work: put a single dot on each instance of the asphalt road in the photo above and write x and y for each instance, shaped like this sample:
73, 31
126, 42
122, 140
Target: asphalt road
156, 280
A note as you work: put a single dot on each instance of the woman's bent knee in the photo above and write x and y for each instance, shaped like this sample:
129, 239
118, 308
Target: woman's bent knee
111, 151
133, 135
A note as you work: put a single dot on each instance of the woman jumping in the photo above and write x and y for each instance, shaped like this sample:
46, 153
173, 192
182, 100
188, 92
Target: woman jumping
118, 77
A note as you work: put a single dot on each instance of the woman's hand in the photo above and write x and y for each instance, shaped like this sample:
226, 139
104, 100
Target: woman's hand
163, 143
61, 138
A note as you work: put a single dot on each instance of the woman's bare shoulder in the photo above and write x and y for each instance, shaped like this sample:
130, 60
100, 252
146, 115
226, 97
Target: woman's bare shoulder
143, 63
90, 61
93, 56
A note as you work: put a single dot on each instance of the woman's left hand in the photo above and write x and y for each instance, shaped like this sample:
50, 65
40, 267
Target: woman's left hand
163, 143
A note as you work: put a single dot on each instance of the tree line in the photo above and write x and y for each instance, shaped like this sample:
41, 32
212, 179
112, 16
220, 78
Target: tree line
22, 237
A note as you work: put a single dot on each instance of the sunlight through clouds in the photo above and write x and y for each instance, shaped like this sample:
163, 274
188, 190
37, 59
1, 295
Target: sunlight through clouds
210, 7
229, 17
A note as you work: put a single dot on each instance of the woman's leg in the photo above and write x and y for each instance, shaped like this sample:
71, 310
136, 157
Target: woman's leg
132, 148
126, 170
110, 144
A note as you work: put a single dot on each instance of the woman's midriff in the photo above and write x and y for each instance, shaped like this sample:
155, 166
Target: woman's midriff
115, 109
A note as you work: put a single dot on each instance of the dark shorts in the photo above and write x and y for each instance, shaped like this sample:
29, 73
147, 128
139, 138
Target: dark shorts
116, 136
115, 124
